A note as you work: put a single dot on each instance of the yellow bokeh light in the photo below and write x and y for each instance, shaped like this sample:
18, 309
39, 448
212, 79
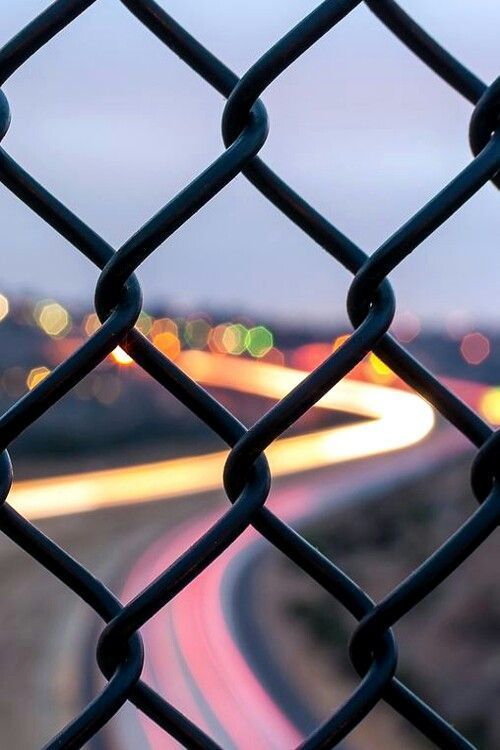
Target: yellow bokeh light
4, 307
144, 323
52, 318
121, 357
36, 375
490, 405
234, 338
163, 325
91, 324
379, 367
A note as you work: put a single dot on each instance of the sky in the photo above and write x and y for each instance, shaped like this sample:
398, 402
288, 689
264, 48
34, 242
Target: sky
114, 124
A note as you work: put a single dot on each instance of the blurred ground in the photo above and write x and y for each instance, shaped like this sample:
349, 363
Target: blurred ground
448, 644
44, 629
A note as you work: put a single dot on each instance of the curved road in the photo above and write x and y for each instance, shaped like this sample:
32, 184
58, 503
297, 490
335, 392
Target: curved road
207, 653
201, 652
395, 419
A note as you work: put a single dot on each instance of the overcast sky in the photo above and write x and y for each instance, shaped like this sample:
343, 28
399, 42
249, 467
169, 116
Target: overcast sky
115, 124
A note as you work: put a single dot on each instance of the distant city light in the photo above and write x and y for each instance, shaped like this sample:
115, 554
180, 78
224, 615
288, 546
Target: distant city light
4, 307
339, 340
52, 318
259, 341
91, 324
144, 323
168, 343
234, 339
379, 370
196, 333
490, 405
215, 338
121, 357
164, 325
475, 348
406, 327
36, 375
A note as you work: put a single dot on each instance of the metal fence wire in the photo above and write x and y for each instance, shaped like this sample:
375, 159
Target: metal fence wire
371, 307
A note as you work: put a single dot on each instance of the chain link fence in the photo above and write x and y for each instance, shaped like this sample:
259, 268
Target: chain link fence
371, 307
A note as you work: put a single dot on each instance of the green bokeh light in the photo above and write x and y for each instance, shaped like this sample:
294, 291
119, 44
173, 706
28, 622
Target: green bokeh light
259, 341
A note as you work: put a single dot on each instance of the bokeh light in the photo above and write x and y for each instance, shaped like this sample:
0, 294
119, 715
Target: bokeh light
121, 357
167, 343
234, 339
215, 338
339, 340
196, 333
163, 325
144, 323
52, 318
378, 370
406, 327
258, 341
4, 307
36, 375
490, 405
91, 324
474, 348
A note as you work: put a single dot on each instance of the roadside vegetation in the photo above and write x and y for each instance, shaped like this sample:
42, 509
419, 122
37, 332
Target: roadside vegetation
448, 645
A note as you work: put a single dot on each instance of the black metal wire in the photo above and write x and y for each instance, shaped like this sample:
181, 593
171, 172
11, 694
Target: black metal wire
371, 306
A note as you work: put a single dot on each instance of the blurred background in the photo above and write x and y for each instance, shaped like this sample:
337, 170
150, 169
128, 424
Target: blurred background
114, 124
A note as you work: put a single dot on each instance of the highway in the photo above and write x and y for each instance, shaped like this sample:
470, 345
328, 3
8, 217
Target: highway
197, 653
207, 651
395, 419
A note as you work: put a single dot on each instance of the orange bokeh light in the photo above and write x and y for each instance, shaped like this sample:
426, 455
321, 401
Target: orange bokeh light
215, 339
337, 343
168, 343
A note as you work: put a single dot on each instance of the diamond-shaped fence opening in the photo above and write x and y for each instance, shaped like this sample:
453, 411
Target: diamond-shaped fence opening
371, 307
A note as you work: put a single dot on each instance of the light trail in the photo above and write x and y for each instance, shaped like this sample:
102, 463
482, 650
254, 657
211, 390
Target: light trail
228, 701
395, 419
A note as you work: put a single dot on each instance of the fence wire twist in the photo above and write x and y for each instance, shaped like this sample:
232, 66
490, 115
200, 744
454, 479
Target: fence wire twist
371, 307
